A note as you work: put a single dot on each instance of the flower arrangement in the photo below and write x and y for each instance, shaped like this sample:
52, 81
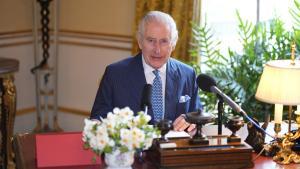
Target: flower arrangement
121, 131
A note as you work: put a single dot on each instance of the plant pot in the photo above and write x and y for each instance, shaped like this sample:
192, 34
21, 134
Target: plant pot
119, 160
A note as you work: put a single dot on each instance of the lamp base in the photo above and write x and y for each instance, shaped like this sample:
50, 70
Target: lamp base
286, 155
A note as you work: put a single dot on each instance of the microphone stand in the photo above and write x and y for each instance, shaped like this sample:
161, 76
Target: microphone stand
220, 114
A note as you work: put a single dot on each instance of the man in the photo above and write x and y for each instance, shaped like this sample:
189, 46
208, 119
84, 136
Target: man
174, 90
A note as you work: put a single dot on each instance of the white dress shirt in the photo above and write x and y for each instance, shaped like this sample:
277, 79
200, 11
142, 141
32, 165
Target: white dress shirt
148, 71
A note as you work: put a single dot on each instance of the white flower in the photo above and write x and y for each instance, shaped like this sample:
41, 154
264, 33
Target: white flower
138, 137
148, 143
125, 115
126, 138
88, 128
93, 142
120, 130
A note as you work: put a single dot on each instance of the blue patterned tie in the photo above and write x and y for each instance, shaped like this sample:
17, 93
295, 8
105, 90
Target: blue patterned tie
157, 97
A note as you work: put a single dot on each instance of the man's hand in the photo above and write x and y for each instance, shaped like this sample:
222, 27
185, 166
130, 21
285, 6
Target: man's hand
180, 124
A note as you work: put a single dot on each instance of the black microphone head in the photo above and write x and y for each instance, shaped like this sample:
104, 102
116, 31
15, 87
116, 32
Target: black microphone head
205, 82
146, 96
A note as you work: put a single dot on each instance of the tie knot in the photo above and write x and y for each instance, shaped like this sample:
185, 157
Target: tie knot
156, 72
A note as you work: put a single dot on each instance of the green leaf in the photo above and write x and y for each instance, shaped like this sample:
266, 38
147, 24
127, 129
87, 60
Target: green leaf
236, 73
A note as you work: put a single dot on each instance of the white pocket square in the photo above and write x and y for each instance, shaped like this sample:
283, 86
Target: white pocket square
184, 98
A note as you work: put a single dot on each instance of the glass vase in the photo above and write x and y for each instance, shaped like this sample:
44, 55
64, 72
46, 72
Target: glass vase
119, 160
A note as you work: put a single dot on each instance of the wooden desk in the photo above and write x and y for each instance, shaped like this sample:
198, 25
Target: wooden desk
24, 145
7, 110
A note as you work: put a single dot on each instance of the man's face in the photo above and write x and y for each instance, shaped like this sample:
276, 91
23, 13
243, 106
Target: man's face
155, 44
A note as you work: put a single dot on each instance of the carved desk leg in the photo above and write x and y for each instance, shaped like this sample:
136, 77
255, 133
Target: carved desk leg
9, 111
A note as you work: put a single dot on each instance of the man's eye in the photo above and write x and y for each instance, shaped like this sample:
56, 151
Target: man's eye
150, 40
164, 41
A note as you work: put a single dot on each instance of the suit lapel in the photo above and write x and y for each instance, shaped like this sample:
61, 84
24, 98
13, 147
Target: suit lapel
171, 91
136, 77
137, 81
136, 72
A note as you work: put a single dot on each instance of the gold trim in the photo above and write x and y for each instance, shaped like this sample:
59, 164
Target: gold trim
9, 108
94, 45
69, 43
66, 32
9, 33
96, 37
74, 111
95, 33
61, 109
15, 36
25, 111
74, 34
15, 43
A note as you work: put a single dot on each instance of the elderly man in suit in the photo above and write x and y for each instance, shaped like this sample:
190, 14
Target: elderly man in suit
174, 92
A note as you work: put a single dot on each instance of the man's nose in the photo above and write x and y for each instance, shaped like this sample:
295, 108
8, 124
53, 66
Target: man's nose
156, 48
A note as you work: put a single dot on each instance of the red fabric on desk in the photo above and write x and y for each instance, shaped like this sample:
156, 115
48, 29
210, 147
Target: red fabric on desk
63, 150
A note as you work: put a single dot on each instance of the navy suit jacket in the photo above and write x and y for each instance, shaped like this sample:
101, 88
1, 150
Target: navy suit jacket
123, 82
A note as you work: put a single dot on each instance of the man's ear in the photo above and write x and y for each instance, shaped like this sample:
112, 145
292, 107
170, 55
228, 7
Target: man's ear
139, 41
173, 47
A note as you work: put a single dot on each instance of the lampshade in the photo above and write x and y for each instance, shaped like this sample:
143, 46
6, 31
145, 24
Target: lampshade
280, 83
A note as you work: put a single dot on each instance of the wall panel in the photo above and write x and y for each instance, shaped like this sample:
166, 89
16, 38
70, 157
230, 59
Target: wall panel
104, 16
92, 34
15, 15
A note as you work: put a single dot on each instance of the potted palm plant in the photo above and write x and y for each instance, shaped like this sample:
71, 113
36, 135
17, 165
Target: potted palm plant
238, 73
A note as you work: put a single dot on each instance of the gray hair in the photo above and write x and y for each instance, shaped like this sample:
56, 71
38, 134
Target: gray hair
160, 17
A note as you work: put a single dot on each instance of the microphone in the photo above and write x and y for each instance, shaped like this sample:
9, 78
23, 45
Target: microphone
146, 97
208, 84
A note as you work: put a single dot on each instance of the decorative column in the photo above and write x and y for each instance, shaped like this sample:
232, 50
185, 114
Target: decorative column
7, 110
45, 70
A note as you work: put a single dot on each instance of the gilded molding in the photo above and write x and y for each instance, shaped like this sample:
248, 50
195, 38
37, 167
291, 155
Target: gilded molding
72, 37
9, 107
60, 109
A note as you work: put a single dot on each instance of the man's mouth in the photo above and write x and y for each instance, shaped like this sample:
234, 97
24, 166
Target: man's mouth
155, 57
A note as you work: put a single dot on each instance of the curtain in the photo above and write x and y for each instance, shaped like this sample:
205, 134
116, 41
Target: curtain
183, 12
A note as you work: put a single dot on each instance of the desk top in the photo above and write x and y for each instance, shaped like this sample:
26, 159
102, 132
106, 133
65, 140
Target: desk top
24, 145
8, 65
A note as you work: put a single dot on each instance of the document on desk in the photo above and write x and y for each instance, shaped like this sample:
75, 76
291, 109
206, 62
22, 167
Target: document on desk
174, 134
177, 134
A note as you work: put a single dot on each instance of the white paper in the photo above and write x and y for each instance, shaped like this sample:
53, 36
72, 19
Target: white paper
177, 134
167, 145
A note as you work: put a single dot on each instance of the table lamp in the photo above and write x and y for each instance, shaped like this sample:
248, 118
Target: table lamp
279, 85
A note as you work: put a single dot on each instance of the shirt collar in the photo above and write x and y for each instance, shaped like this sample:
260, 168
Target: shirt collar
148, 68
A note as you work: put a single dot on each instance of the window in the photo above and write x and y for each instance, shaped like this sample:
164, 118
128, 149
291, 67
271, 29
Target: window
221, 17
